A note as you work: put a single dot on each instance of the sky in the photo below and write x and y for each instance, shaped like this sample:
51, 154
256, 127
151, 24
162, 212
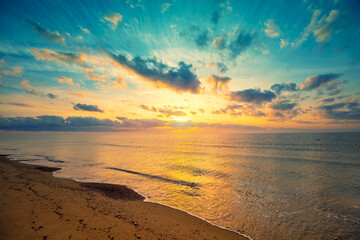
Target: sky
180, 66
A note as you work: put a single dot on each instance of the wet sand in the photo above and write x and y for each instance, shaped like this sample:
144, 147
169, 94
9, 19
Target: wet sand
36, 205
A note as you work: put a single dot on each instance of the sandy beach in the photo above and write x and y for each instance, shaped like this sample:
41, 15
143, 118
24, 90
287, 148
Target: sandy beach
36, 205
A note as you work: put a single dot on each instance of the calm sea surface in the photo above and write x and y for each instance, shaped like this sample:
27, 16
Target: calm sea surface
267, 186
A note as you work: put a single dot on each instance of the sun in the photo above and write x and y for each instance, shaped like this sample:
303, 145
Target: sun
180, 119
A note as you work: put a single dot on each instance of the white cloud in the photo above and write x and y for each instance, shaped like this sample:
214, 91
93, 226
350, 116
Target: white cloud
85, 30
272, 29
226, 5
265, 52
320, 28
283, 43
165, 7
324, 32
114, 18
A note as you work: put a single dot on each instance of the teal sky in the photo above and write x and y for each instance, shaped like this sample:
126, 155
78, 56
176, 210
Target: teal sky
244, 65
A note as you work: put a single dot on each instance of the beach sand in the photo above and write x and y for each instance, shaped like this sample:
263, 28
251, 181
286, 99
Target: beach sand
36, 205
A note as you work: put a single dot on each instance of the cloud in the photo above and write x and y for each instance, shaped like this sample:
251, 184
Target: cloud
25, 84
229, 126
86, 107
320, 28
29, 89
119, 82
284, 87
240, 44
16, 71
60, 57
31, 123
218, 83
335, 91
272, 29
239, 110
51, 95
222, 67
18, 104
343, 111
141, 123
265, 52
67, 58
202, 40
255, 96
283, 105
308, 30
89, 121
165, 7
283, 110
193, 112
79, 94
135, 3
215, 17
226, 5
97, 77
52, 36
304, 122
283, 43
168, 111
66, 80
323, 33
314, 82
57, 123
114, 19
219, 42
180, 79
332, 106
234, 47
153, 109
326, 100
85, 30
231, 108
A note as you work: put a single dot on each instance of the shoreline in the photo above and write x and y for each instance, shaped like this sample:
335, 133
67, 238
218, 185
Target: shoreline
57, 208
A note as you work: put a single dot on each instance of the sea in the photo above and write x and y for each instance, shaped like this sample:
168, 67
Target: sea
264, 186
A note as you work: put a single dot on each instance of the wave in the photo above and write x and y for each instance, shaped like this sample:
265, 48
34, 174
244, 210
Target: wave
53, 160
185, 183
295, 159
27, 160
291, 147
122, 145
10, 149
195, 171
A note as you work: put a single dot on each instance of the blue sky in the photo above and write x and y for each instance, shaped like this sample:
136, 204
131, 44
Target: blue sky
268, 65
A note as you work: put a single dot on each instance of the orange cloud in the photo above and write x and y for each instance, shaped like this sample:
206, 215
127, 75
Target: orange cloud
97, 77
66, 80
218, 83
15, 72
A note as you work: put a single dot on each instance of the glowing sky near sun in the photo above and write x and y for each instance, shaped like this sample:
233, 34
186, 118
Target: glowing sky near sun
243, 66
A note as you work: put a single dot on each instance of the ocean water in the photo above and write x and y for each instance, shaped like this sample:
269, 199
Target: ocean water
266, 186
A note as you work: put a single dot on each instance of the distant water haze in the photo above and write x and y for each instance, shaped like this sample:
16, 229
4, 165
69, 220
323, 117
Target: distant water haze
267, 186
